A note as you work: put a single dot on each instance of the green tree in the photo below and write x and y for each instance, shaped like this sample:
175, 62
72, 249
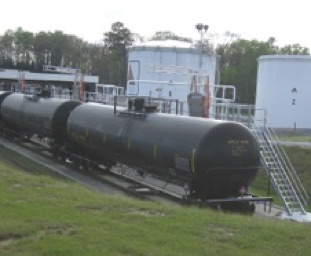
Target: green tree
42, 48
295, 49
23, 48
238, 64
166, 35
16, 49
114, 61
7, 49
59, 49
92, 59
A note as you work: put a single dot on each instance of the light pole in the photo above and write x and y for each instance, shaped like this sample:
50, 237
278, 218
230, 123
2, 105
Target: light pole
202, 29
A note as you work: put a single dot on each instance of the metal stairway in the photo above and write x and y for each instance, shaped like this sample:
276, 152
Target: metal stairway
280, 170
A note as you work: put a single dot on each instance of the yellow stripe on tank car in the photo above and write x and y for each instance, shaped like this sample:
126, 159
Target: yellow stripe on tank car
192, 160
129, 143
68, 130
155, 151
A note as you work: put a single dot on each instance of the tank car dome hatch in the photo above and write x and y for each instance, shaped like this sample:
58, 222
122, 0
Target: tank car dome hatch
283, 90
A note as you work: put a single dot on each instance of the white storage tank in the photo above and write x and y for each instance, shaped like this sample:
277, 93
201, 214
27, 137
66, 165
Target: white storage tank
170, 65
284, 90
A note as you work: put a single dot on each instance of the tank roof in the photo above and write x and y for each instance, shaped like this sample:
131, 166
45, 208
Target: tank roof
165, 43
284, 57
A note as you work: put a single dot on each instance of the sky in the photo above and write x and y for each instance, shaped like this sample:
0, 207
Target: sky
287, 21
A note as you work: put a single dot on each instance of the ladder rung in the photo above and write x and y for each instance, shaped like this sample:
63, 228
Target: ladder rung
285, 187
269, 162
289, 199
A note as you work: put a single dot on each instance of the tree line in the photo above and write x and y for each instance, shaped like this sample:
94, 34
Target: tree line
25, 50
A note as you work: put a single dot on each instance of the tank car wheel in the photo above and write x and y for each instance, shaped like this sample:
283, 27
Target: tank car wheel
54, 152
248, 208
25, 138
106, 169
63, 156
76, 162
54, 155
85, 166
230, 207
8, 135
93, 166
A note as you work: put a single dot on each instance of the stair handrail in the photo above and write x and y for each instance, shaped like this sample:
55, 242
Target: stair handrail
290, 174
288, 167
264, 143
294, 190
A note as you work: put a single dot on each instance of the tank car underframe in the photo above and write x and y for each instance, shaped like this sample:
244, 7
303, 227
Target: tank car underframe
241, 203
244, 204
11, 132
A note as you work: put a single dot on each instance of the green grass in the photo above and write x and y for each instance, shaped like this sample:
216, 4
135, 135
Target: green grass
295, 138
48, 215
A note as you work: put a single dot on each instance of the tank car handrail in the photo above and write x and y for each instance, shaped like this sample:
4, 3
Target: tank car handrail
144, 105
